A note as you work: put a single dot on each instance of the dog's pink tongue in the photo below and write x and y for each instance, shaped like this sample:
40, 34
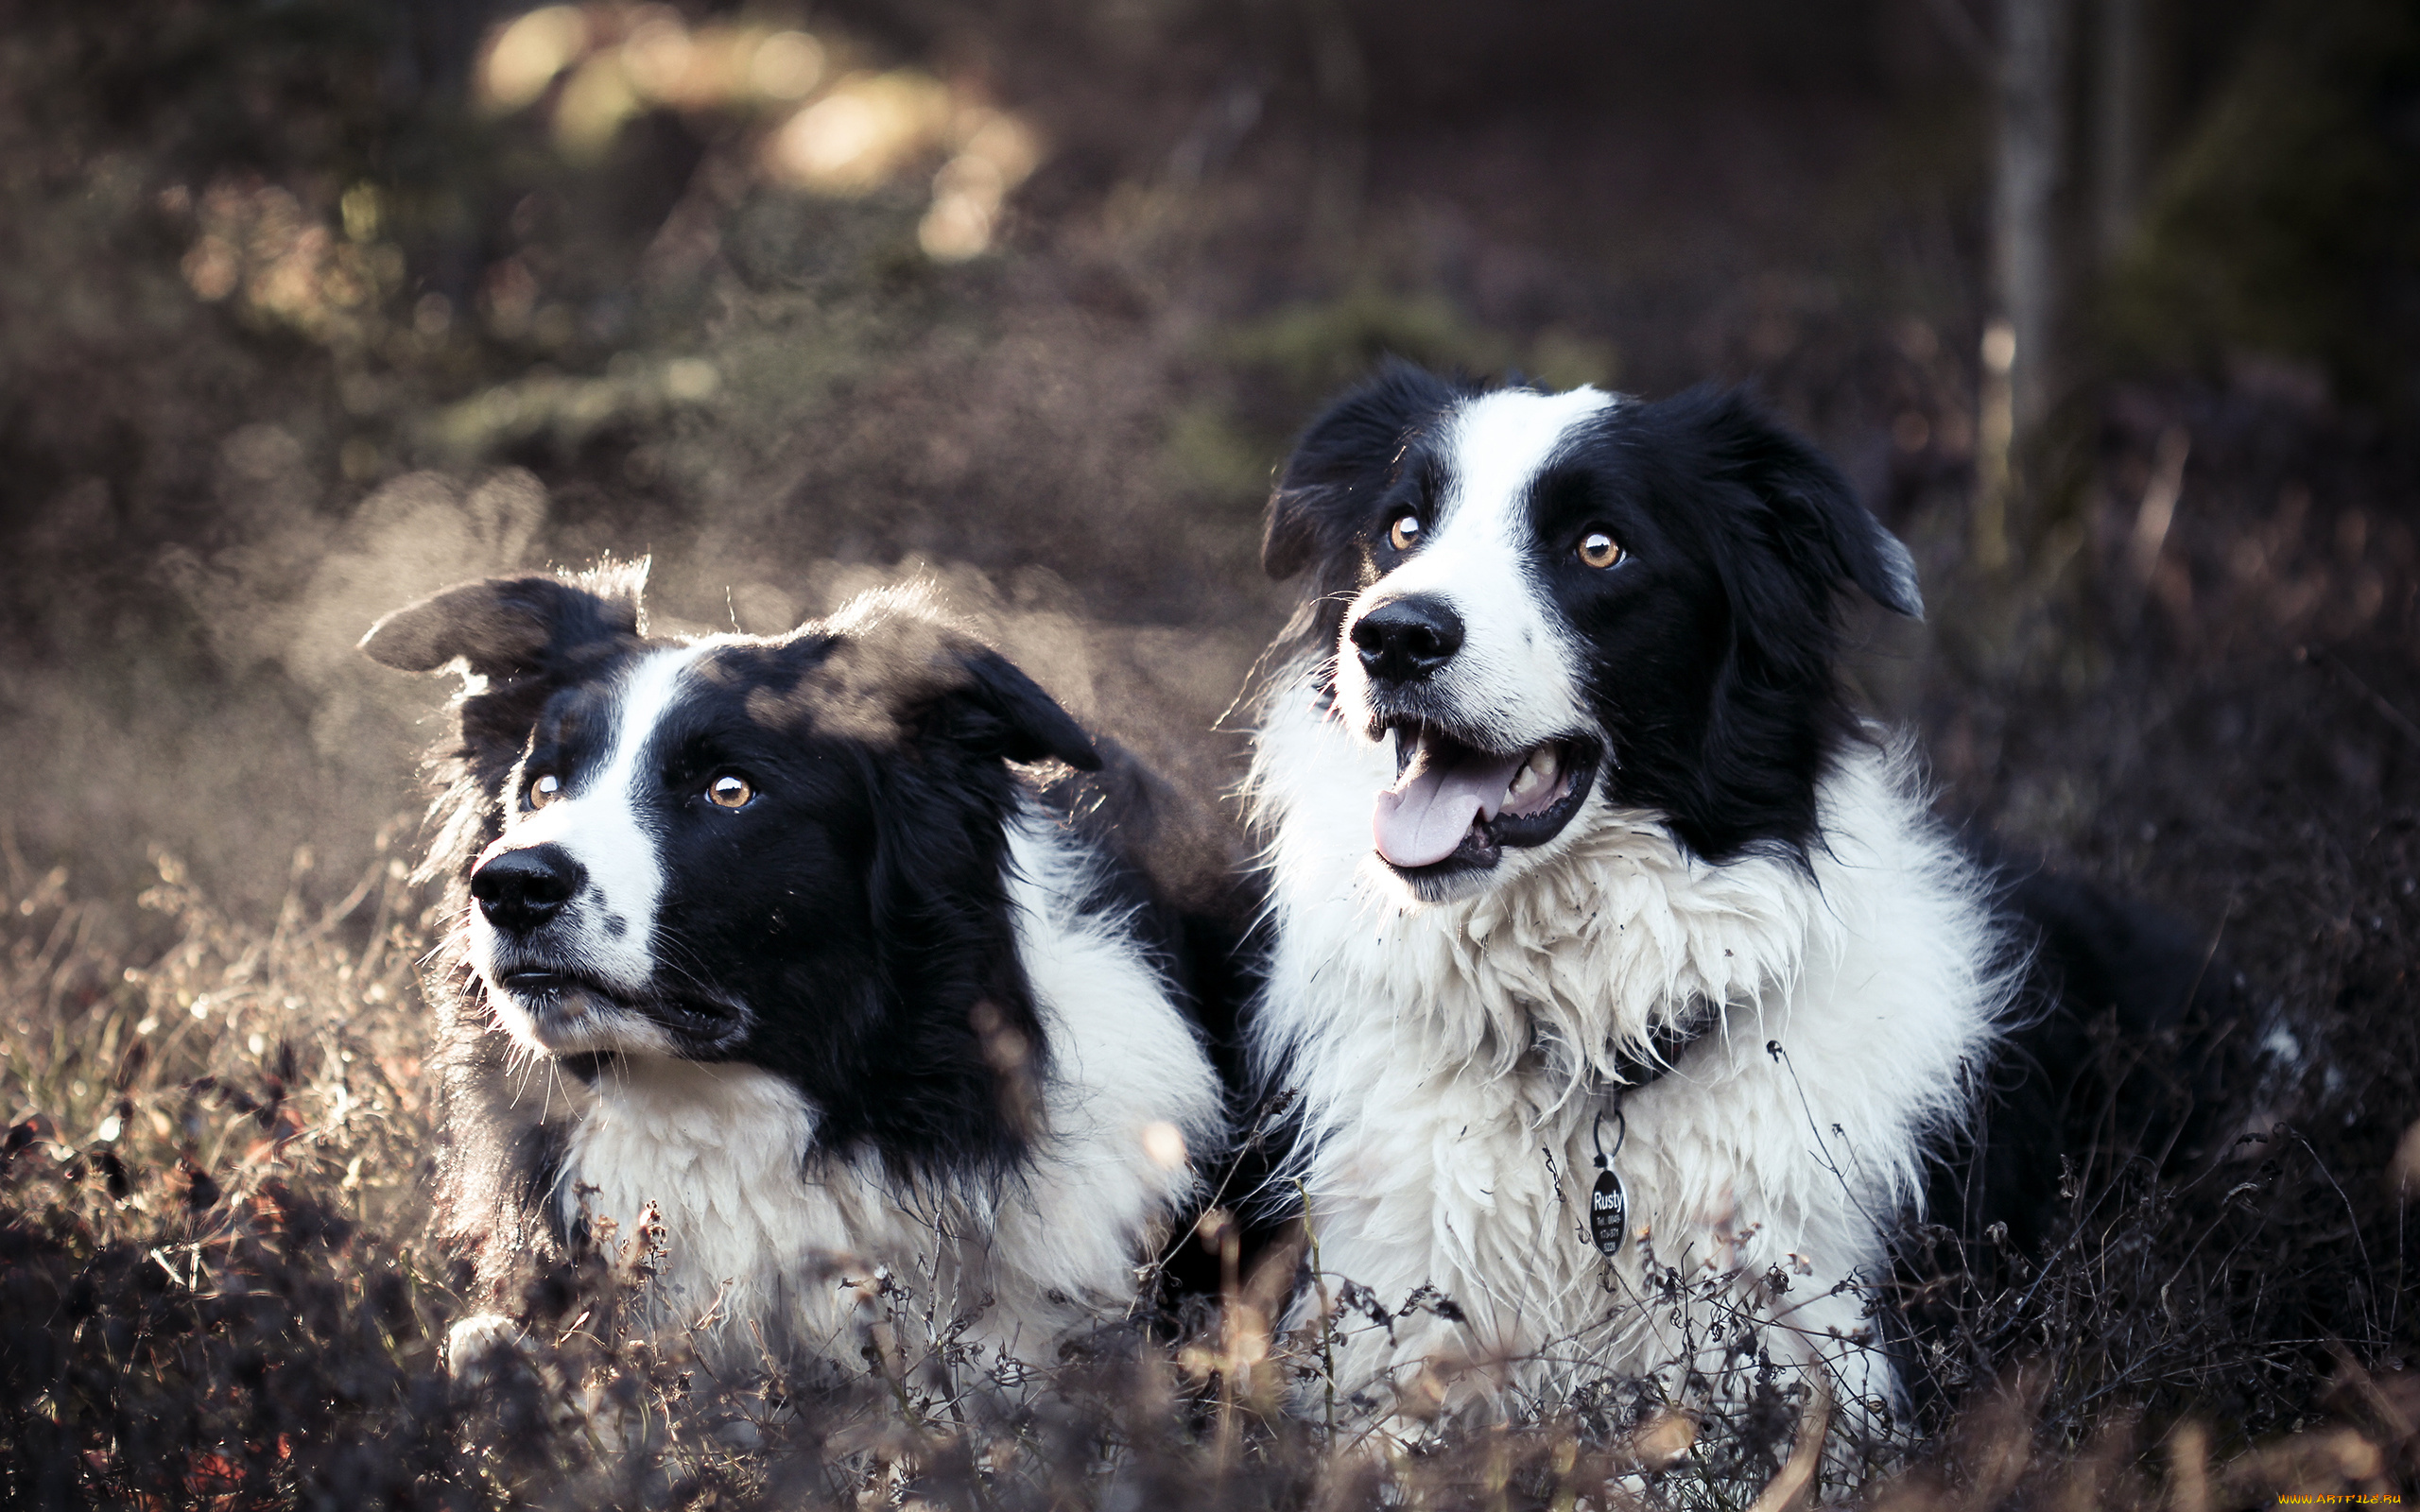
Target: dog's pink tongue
1422, 819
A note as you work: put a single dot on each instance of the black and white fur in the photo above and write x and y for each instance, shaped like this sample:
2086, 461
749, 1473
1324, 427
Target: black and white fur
889, 1015
1670, 820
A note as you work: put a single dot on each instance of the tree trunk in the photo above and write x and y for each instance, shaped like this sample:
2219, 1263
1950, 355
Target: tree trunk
2118, 124
2032, 147
2019, 356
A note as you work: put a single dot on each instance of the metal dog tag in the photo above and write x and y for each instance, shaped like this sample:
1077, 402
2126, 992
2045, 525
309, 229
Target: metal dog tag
1608, 1204
1608, 1214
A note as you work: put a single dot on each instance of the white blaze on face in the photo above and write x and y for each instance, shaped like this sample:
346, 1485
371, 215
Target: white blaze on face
609, 926
1516, 678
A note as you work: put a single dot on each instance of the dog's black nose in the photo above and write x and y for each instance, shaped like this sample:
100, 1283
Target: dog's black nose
521, 889
1404, 640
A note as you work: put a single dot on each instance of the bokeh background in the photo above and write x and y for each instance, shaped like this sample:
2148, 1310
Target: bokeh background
309, 307
2110, 307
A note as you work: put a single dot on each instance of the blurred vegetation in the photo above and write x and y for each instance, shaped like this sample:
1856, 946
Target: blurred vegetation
311, 306
2287, 229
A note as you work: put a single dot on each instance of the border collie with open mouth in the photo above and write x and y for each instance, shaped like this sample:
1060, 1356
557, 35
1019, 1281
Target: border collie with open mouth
1620, 978
764, 941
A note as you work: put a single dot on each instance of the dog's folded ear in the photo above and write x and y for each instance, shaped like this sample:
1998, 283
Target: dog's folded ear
505, 628
1343, 460
1811, 506
999, 710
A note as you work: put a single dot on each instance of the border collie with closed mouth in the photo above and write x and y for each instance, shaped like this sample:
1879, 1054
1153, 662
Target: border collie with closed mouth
767, 937
1576, 850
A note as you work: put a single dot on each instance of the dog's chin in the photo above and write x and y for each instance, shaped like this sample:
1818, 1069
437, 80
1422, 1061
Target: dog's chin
561, 1014
1446, 882
573, 1022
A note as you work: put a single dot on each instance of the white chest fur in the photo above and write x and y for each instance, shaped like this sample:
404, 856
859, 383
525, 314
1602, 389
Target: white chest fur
1453, 1062
761, 1237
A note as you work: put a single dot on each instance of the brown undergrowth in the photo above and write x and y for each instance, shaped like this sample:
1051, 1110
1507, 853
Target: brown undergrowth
218, 1293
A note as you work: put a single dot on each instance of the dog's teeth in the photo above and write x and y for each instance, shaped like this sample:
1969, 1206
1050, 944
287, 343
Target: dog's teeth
1534, 774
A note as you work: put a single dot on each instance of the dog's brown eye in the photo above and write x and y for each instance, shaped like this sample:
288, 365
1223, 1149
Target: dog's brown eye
730, 791
545, 790
1599, 550
1405, 533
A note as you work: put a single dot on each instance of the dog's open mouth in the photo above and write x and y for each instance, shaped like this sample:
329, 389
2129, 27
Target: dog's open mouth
1455, 807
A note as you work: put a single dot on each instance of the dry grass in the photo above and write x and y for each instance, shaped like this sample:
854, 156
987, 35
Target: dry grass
218, 1291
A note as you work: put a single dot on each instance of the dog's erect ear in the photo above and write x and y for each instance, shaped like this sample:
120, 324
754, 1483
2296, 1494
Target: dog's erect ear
999, 710
1346, 456
1813, 510
505, 628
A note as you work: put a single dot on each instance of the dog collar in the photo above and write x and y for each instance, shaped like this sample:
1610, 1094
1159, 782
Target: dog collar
1637, 1066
